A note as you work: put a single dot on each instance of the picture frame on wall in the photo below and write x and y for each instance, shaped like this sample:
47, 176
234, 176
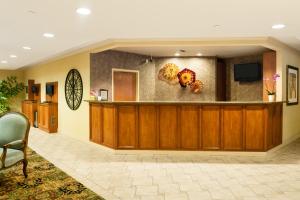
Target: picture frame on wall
292, 85
103, 93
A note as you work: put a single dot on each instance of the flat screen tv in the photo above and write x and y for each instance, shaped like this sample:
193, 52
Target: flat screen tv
247, 72
50, 90
34, 89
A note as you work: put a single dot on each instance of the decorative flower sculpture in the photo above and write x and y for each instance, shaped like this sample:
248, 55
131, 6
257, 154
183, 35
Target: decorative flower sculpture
196, 87
168, 73
186, 77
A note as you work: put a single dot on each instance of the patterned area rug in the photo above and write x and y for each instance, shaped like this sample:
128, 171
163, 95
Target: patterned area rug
45, 181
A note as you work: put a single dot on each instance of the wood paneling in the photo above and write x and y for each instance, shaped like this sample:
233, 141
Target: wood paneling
189, 127
277, 125
125, 86
109, 118
127, 126
210, 127
232, 128
168, 127
274, 128
96, 123
255, 128
29, 108
37, 96
269, 69
53, 98
148, 127
221, 80
29, 91
48, 117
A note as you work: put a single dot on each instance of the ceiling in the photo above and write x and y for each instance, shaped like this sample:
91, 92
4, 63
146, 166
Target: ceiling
24, 22
216, 51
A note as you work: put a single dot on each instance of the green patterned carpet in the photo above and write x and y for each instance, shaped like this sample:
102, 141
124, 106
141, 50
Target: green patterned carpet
45, 181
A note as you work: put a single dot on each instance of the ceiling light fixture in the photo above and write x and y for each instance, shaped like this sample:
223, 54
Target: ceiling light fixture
83, 11
27, 48
177, 54
48, 35
199, 54
13, 56
278, 26
3, 61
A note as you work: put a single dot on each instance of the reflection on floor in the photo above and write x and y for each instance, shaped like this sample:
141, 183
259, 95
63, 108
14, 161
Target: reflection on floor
160, 176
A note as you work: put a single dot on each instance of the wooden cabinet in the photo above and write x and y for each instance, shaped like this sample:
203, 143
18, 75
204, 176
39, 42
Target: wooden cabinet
195, 126
48, 117
28, 109
127, 127
148, 127
232, 127
189, 128
168, 127
210, 127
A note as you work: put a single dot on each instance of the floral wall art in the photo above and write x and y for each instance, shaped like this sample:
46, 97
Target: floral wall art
185, 78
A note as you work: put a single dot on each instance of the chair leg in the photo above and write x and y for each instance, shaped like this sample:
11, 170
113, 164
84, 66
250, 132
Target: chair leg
25, 162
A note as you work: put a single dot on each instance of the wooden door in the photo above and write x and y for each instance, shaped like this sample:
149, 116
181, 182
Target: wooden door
232, 127
125, 86
210, 127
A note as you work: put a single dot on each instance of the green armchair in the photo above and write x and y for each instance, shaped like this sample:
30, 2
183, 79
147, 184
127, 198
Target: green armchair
14, 130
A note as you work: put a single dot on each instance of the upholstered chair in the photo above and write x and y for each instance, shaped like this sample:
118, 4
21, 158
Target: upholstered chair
14, 130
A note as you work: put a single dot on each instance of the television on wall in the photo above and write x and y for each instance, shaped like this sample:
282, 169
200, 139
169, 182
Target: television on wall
50, 89
34, 89
247, 72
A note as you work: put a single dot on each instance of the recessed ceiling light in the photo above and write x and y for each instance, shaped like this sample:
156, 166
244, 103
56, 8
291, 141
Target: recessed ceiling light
3, 61
27, 48
83, 11
13, 56
199, 54
177, 54
278, 26
48, 35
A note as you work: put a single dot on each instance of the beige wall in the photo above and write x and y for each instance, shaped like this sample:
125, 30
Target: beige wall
15, 103
73, 123
291, 114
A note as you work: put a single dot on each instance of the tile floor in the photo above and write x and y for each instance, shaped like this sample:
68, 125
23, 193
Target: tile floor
139, 176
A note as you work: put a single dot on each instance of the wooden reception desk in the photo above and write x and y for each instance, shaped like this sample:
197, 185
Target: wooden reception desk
223, 126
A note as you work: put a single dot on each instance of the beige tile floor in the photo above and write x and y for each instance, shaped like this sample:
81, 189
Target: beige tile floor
139, 176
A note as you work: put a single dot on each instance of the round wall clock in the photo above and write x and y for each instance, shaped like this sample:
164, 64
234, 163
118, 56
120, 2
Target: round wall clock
73, 89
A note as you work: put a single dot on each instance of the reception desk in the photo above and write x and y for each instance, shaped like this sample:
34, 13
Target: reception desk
222, 126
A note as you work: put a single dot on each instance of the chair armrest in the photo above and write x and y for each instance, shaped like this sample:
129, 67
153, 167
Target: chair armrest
18, 144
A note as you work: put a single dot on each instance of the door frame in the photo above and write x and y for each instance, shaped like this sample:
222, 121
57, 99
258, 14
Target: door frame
126, 70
